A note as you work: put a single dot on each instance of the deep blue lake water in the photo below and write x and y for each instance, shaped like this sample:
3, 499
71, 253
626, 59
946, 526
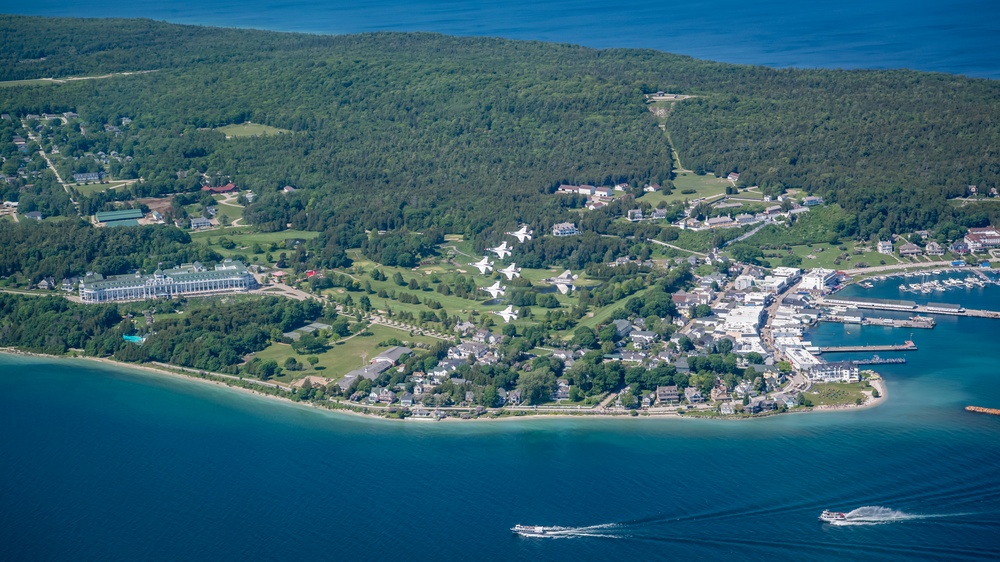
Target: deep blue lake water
959, 37
104, 463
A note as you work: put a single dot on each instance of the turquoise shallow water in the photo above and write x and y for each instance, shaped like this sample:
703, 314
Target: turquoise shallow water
104, 463
957, 37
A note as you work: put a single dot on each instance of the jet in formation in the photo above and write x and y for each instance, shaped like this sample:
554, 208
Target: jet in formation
511, 271
484, 265
502, 250
564, 282
507, 314
521, 234
495, 290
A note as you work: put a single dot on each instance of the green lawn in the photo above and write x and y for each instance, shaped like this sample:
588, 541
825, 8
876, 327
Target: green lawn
245, 237
91, 188
826, 255
703, 186
251, 130
229, 211
836, 393
340, 358
602, 315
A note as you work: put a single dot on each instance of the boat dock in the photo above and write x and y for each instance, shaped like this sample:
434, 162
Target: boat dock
876, 360
908, 306
906, 346
922, 322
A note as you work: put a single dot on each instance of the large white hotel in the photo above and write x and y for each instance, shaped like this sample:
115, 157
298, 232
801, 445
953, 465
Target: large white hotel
189, 280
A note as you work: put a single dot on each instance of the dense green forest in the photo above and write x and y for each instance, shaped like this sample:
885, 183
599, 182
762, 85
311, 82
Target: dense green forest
35, 250
214, 335
389, 131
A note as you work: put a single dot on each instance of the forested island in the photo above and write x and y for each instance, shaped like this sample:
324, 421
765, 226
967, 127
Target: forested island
367, 174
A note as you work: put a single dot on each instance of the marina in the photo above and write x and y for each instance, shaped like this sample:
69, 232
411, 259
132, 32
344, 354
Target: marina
876, 360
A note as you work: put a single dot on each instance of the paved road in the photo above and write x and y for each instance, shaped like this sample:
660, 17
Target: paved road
221, 375
746, 235
676, 247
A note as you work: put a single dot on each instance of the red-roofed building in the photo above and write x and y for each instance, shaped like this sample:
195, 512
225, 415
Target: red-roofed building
228, 188
980, 239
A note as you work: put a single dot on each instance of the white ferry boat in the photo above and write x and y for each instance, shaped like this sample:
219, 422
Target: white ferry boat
531, 530
832, 516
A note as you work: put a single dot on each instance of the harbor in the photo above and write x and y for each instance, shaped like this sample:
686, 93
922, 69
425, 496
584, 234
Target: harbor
906, 306
908, 345
876, 360
919, 322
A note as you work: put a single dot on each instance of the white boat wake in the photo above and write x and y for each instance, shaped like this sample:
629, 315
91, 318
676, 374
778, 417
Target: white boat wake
605, 531
876, 515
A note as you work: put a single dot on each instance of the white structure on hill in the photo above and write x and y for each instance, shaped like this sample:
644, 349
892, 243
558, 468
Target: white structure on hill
227, 277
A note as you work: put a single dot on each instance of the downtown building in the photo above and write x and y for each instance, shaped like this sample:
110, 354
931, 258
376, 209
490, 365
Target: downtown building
189, 280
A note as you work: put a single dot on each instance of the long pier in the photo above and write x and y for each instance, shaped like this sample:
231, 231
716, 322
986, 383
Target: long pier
906, 346
907, 306
923, 323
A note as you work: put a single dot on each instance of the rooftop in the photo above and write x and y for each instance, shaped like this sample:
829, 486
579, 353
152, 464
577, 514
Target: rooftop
124, 214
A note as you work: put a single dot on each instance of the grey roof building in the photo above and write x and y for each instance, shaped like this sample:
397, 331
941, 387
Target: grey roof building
227, 277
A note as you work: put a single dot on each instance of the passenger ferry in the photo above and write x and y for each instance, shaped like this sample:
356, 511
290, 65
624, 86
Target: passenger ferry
531, 530
832, 516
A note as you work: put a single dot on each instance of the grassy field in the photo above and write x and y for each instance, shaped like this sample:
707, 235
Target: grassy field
227, 210
341, 357
91, 188
251, 130
703, 186
245, 238
836, 393
828, 256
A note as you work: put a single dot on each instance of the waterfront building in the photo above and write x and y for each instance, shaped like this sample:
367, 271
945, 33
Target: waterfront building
884, 247
227, 277
910, 249
819, 279
979, 239
801, 359
934, 249
840, 371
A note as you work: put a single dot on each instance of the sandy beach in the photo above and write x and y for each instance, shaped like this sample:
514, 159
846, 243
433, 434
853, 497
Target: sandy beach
188, 374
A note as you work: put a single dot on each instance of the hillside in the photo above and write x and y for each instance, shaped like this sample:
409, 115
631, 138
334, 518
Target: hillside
419, 131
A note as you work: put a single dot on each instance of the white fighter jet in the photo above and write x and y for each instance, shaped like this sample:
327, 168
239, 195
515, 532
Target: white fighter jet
522, 234
495, 290
564, 282
484, 265
507, 314
511, 271
502, 250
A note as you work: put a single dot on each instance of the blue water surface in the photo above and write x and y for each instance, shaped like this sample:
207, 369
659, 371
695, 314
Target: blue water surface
959, 37
107, 463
